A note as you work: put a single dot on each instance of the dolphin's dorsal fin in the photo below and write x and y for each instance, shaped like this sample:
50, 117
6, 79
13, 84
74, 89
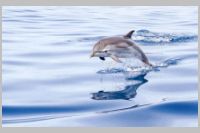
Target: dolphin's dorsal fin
129, 34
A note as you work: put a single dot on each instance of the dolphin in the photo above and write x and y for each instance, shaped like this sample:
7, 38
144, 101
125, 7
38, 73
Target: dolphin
117, 47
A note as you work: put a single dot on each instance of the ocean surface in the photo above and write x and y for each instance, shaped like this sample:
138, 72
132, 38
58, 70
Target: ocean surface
49, 80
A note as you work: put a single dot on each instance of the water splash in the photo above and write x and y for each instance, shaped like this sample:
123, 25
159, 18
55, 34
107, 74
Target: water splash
148, 37
145, 69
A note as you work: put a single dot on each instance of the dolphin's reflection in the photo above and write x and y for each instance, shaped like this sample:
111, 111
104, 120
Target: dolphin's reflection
127, 93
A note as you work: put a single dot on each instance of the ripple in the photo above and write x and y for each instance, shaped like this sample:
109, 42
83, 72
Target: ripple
53, 54
18, 63
177, 107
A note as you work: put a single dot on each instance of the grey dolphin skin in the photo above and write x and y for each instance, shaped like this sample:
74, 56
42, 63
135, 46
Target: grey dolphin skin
119, 47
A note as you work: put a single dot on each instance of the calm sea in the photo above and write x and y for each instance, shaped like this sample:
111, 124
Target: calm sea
49, 79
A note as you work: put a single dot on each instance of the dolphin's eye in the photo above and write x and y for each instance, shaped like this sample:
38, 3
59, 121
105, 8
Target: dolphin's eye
105, 51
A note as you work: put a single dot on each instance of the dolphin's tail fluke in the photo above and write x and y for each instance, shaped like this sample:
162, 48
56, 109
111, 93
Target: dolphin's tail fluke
148, 63
145, 60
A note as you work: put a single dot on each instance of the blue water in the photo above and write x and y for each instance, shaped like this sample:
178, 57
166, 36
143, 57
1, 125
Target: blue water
49, 79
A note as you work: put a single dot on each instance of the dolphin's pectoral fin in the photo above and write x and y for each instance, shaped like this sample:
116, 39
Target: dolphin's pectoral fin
116, 59
102, 58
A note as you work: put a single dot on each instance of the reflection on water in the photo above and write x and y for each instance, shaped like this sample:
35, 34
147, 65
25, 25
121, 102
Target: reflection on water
137, 76
127, 93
